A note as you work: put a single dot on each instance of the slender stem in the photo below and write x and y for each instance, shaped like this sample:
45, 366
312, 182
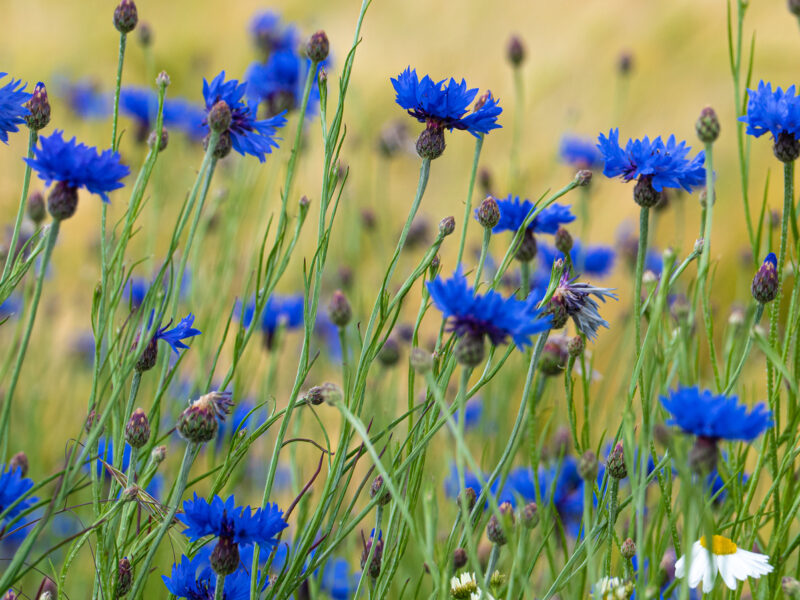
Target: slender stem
493, 558
612, 518
487, 236
218, 591
120, 60
468, 201
525, 279
180, 486
516, 134
745, 353
26, 182
52, 234
644, 214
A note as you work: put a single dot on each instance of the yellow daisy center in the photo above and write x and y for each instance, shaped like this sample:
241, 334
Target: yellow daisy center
719, 545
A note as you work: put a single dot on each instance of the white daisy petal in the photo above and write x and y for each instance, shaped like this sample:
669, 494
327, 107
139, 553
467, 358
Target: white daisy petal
728, 565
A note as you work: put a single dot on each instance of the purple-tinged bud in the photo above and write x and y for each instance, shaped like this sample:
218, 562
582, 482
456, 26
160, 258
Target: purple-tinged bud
765, 281
628, 549
149, 356
198, 423
530, 515
158, 454
625, 62
583, 177
488, 213
124, 578
225, 557
588, 466
219, 117
162, 79
447, 226
126, 16
526, 251
575, 346
37, 211
459, 558
616, 463
378, 489
644, 194
707, 125
145, 34
430, 143
421, 360
162, 139
497, 529
39, 108
339, 309
62, 201
137, 431
787, 147
563, 241
470, 350
553, 358
703, 455
318, 47
374, 568
329, 393
466, 499
515, 51
389, 354
433, 268
223, 147
19, 461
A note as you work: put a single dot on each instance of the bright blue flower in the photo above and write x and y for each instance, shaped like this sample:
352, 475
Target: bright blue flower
11, 306
105, 452
12, 487
774, 112
248, 135
490, 314
716, 417
279, 311
337, 579
665, 165
175, 336
141, 104
580, 153
12, 107
445, 105
653, 261
270, 35
594, 261
280, 82
77, 165
85, 99
244, 526
185, 116
328, 333
194, 579
513, 213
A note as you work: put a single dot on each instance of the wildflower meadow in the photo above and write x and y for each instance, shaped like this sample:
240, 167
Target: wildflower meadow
384, 300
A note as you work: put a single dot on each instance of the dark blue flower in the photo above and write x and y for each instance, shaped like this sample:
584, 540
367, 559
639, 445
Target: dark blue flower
716, 417
77, 165
12, 487
577, 300
141, 104
445, 104
774, 112
662, 164
105, 451
514, 211
580, 153
653, 261
595, 261
270, 35
280, 82
279, 311
248, 135
194, 579
244, 526
12, 107
85, 99
473, 411
338, 581
490, 314
175, 336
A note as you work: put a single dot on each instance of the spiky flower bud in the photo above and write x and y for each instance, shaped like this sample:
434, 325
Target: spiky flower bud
318, 46
158, 454
563, 241
19, 461
162, 140
225, 556
553, 358
644, 194
530, 515
628, 549
62, 201
787, 147
421, 360
219, 117
37, 211
330, 393
616, 463
379, 489
707, 125
137, 431
126, 16
588, 466
575, 346
223, 147
466, 499
459, 558
470, 350
515, 51
374, 568
765, 281
430, 143
497, 528
124, 578
389, 354
39, 108
488, 213
526, 251
149, 356
703, 455
198, 422
447, 226
583, 177
339, 309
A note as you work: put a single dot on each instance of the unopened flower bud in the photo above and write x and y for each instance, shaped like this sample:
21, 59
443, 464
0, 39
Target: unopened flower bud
223, 147
447, 226
466, 499
575, 346
459, 558
145, 34
124, 578
318, 47
162, 79
553, 358
162, 139
126, 16
707, 125
588, 466
765, 281
158, 454
497, 528
628, 549
19, 461
374, 568
488, 213
583, 177
530, 515
37, 211
470, 350
389, 354
39, 108
149, 356
198, 423
379, 489
526, 251
339, 309
616, 463
563, 241
137, 431
330, 393
219, 117
515, 51
421, 360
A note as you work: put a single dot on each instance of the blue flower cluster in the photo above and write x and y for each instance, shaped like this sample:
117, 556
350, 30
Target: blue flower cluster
715, 417
141, 105
242, 525
581, 153
270, 35
486, 314
194, 579
279, 311
279, 82
596, 261
514, 211
12, 107
775, 112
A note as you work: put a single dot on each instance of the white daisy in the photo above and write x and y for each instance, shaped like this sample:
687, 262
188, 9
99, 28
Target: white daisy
612, 588
466, 587
724, 557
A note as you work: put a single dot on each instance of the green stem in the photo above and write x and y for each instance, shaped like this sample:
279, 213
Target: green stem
612, 518
745, 353
468, 201
525, 279
26, 182
493, 558
516, 134
644, 215
218, 591
120, 60
5, 417
365, 572
487, 236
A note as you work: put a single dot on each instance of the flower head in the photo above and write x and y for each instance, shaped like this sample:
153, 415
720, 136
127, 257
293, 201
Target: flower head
596, 261
77, 165
194, 579
84, 98
580, 153
774, 112
465, 587
715, 417
270, 35
485, 314
12, 107
243, 526
723, 557
175, 336
513, 212
338, 581
247, 134
575, 299
660, 164
445, 104
141, 105
13, 485
279, 82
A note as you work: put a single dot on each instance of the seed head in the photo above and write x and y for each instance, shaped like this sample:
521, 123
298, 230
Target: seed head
225, 556
644, 194
39, 107
126, 16
318, 47
430, 143
137, 431
470, 350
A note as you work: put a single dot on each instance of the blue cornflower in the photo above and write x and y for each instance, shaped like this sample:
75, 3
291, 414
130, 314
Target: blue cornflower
445, 105
194, 579
12, 107
247, 134
655, 165
175, 336
775, 112
105, 451
715, 417
242, 526
580, 153
270, 35
141, 104
338, 581
575, 299
476, 315
75, 165
85, 99
185, 116
279, 312
596, 261
12, 487
279, 82
513, 212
